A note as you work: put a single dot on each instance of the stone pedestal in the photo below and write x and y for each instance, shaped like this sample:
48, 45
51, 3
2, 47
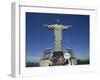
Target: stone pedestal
58, 58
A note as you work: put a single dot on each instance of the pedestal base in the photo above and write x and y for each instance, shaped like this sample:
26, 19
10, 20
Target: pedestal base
58, 58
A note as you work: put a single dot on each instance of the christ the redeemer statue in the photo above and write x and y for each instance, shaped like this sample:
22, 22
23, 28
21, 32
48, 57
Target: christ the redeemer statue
58, 28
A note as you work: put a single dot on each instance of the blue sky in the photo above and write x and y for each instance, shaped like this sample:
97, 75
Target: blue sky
39, 37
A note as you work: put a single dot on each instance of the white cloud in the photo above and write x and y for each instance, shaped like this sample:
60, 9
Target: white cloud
33, 58
82, 55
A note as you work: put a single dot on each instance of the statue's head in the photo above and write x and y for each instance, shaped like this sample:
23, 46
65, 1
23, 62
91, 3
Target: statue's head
58, 21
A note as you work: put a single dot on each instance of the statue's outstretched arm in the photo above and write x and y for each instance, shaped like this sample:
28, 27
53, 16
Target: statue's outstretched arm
49, 26
66, 27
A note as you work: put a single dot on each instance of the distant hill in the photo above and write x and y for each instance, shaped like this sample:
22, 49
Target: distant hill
83, 62
32, 64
